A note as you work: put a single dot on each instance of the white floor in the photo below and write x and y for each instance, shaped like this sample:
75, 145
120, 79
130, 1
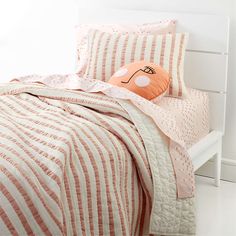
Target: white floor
216, 208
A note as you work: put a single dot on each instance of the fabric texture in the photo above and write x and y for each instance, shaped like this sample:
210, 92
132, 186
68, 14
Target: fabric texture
76, 163
191, 114
163, 119
143, 78
108, 52
160, 27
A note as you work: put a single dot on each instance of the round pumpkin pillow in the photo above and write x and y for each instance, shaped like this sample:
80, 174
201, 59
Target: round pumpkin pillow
143, 78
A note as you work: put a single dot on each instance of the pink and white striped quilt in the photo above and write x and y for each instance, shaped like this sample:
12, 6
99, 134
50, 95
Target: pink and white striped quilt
79, 163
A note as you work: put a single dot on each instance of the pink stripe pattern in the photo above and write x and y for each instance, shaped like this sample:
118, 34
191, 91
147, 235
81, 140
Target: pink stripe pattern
161, 49
49, 143
76, 163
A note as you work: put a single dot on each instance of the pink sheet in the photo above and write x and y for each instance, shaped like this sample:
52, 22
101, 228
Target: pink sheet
191, 114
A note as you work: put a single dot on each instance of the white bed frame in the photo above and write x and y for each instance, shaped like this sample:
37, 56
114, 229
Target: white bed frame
206, 66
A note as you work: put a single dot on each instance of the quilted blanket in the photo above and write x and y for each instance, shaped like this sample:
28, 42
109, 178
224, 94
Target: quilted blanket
79, 163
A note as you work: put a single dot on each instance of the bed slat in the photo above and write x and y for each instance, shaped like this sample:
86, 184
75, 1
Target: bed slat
206, 71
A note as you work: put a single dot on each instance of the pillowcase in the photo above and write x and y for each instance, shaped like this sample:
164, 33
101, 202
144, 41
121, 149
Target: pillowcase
160, 27
108, 52
146, 79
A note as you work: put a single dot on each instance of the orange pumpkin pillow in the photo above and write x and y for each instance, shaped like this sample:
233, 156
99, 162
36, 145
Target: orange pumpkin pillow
143, 78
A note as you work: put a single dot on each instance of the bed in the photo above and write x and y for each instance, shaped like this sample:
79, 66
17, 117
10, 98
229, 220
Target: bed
206, 47
84, 163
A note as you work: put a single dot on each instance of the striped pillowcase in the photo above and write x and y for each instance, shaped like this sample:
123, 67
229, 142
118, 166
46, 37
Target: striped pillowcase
109, 52
159, 27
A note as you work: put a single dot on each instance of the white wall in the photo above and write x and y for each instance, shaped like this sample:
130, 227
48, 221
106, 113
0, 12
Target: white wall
36, 36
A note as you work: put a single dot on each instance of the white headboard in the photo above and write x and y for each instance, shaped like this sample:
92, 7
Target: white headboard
206, 61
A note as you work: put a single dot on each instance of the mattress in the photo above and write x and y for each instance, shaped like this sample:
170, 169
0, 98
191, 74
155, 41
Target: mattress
192, 114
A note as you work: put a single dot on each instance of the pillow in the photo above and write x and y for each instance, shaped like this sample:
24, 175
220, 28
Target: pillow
145, 79
161, 27
108, 52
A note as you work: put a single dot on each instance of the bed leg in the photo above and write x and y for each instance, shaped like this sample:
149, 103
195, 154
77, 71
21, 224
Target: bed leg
217, 164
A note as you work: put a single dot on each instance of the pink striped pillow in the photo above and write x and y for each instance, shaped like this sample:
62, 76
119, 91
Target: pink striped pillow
160, 27
109, 52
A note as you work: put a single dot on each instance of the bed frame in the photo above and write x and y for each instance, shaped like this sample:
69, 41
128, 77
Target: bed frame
206, 66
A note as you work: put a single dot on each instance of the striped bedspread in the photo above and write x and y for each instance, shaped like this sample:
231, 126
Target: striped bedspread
77, 163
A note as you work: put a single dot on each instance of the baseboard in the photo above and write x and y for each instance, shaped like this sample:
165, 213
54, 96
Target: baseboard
228, 169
